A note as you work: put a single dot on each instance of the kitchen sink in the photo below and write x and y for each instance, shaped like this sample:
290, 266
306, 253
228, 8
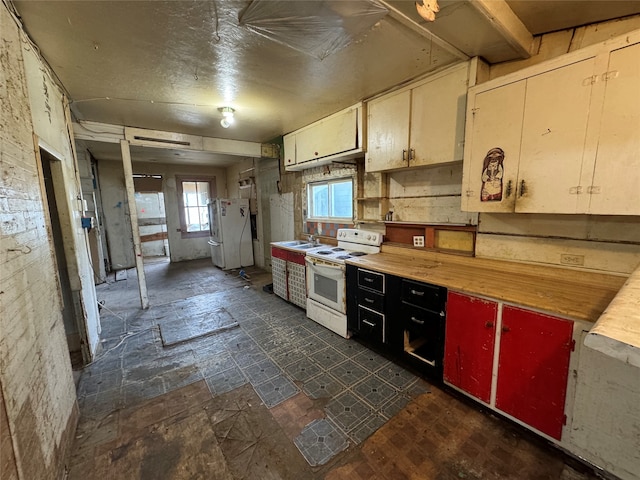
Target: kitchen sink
301, 244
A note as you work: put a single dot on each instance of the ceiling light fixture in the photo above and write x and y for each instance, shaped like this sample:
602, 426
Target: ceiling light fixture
227, 116
427, 9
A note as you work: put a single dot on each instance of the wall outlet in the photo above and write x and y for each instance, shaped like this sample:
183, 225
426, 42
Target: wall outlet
418, 240
568, 259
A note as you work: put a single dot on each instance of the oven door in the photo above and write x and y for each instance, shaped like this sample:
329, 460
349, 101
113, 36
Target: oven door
326, 283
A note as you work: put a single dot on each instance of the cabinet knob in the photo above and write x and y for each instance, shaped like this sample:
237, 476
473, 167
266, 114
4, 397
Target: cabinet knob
489, 324
506, 329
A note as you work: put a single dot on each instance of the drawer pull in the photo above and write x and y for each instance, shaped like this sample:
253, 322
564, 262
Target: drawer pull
489, 324
370, 280
366, 322
369, 300
506, 329
417, 293
418, 321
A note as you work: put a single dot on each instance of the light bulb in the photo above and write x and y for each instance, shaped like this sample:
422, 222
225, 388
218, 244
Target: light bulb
225, 122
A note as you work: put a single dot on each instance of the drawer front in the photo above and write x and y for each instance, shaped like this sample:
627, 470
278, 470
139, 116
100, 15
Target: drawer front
371, 280
421, 321
423, 295
371, 325
372, 300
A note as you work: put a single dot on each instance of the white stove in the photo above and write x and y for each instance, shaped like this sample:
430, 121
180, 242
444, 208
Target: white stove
351, 243
326, 283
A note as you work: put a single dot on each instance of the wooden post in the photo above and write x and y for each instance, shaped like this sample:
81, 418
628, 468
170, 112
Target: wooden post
133, 215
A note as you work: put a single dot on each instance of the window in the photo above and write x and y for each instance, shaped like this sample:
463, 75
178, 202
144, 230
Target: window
193, 195
331, 200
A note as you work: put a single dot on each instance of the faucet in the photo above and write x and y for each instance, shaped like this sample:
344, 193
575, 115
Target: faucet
313, 240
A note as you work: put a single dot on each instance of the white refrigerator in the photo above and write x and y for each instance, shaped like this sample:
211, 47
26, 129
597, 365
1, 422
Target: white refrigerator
230, 233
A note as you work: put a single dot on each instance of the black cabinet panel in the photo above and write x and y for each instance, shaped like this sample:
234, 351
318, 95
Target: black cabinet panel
372, 300
371, 280
423, 295
371, 325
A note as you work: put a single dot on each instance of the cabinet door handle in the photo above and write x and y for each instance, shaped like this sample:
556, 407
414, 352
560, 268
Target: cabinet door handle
523, 188
506, 329
489, 324
369, 300
508, 189
418, 321
366, 322
417, 293
412, 154
404, 155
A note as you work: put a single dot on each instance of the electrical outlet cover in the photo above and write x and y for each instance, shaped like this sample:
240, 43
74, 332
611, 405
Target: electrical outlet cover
418, 241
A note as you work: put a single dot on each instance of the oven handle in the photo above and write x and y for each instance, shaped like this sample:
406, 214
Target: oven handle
333, 270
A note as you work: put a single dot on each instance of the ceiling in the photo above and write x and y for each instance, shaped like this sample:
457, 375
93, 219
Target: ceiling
169, 65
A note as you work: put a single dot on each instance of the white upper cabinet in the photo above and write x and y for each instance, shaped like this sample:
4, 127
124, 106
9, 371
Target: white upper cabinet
616, 177
560, 137
419, 125
335, 137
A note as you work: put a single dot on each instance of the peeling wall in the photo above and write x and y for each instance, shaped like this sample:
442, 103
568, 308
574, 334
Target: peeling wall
116, 210
35, 378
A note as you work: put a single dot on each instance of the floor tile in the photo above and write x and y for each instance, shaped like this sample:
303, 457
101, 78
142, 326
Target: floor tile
374, 392
348, 372
302, 369
261, 372
276, 390
369, 425
396, 376
320, 441
328, 358
347, 411
323, 385
226, 381
371, 360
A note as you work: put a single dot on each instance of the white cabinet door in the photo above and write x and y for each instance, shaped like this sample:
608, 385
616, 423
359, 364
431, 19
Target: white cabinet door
289, 143
333, 135
388, 132
437, 119
616, 179
495, 126
556, 113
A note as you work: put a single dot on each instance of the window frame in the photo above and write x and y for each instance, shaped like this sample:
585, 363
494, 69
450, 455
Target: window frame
328, 182
181, 207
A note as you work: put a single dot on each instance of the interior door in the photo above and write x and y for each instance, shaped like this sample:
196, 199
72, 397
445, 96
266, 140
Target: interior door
533, 368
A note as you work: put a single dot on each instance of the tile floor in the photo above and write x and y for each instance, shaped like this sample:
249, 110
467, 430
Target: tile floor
332, 398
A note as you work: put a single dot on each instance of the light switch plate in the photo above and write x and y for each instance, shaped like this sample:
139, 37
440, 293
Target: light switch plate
418, 240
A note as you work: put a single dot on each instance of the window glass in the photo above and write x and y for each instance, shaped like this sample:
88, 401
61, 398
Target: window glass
194, 209
331, 200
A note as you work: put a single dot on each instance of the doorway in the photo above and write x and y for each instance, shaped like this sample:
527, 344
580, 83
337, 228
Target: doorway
76, 340
152, 217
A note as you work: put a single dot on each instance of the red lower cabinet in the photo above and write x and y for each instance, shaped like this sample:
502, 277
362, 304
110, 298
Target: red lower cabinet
533, 368
469, 344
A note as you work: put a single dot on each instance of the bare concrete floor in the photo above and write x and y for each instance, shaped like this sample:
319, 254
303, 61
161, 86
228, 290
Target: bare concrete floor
271, 396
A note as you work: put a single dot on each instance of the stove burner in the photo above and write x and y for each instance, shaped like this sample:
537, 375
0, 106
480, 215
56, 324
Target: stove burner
343, 257
357, 254
324, 252
337, 249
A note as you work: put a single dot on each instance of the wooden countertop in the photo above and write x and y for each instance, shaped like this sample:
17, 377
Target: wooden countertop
575, 294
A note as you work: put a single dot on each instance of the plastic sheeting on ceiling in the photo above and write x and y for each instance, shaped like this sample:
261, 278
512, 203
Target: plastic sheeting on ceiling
317, 28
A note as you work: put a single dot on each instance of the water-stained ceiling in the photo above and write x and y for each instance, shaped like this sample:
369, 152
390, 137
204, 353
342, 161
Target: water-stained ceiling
169, 65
